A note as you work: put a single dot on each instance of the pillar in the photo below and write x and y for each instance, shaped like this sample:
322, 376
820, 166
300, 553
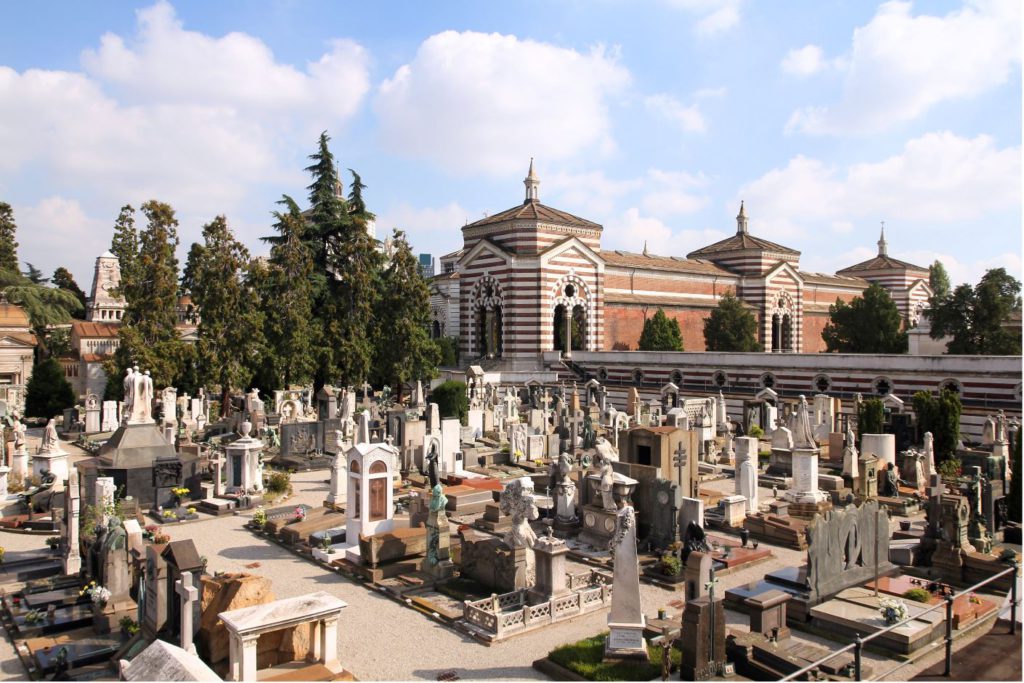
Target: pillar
248, 658
329, 644
567, 318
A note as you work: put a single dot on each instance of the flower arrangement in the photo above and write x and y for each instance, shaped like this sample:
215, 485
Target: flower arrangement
180, 492
129, 626
34, 616
259, 517
325, 543
97, 594
191, 511
300, 513
159, 538
893, 610
169, 514
149, 531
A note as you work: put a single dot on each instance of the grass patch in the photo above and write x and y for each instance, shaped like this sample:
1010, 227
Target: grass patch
584, 658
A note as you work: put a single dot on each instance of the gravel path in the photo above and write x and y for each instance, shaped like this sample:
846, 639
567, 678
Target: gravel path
379, 639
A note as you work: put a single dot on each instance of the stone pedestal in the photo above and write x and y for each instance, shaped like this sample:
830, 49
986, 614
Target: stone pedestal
768, 614
734, 510
245, 464
56, 463
19, 465
4, 471
703, 647
598, 526
550, 555
92, 420
746, 471
882, 446
626, 619
565, 508
805, 478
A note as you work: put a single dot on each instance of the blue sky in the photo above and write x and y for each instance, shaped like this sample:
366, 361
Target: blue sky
653, 118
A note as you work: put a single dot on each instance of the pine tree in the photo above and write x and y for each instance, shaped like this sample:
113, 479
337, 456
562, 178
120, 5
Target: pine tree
230, 328
976, 317
405, 351
63, 279
34, 275
938, 280
48, 392
148, 335
8, 241
870, 323
661, 333
289, 288
731, 327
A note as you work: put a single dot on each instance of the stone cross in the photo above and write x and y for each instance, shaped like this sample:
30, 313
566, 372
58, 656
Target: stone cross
187, 595
710, 588
218, 461
680, 461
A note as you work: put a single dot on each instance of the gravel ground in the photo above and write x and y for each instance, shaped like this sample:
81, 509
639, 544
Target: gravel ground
379, 639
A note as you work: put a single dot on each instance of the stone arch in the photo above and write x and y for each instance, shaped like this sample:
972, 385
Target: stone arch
486, 308
438, 321
783, 316
570, 297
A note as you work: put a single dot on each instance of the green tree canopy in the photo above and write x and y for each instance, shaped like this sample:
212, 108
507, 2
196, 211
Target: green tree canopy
871, 418
148, 334
661, 333
8, 238
869, 324
34, 275
939, 415
231, 323
45, 306
731, 327
48, 393
63, 279
976, 318
125, 246
938, 279
404, 352
451, 400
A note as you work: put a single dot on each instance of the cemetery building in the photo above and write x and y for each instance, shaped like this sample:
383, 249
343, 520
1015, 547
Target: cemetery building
17, 344
523, 272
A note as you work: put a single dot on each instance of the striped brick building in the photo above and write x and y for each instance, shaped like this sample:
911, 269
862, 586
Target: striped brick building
534, 278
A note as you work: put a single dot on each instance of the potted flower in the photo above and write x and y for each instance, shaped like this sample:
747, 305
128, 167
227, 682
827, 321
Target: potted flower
191, 512
160, 538
169, 515
129, 627
893, 610
300, 513
53, 542
180, 494
324, 552
259, 517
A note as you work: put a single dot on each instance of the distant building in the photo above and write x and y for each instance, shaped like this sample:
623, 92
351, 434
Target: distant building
103, 305
427, 265
91, 344
524, 272
17, 347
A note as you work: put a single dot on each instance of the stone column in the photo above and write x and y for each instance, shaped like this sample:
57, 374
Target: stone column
247, 658
218, 475
329, 644
626, 619
104, 491
568, 331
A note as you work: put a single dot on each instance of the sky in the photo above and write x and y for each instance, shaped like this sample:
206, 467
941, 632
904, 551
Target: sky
654, 118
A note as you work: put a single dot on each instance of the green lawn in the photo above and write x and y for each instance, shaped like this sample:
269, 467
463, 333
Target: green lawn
584, 658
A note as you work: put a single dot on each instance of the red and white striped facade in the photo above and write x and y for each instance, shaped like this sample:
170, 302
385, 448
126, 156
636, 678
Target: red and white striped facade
520, 268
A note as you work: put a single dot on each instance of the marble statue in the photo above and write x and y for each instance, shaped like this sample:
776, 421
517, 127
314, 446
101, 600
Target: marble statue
50, 442
850, 455
803, 432
129, 392
929, 455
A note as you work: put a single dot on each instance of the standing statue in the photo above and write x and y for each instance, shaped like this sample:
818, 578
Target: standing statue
19, 436
432, 474
129, 392
589, 435
518, 503
437, 521
929, 455
144, 397
603, 466
50, 442
800, 425
518, 447
851, 463
564, 491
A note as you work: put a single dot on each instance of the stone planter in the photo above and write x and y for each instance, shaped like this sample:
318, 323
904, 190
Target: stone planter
327, 556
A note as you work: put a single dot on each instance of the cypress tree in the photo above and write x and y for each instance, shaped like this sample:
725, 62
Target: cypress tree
48, 392
871, 323
731, 327
661, 333
8, 238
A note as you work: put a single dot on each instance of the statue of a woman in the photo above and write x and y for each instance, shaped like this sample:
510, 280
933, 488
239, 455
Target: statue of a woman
803, 434
50, 441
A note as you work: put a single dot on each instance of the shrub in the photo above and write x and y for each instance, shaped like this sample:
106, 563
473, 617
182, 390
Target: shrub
451, 401
52, 542
259, 517
670, 565
449, 347
755, 431
917, 595
950, 469
871, 419
279, 482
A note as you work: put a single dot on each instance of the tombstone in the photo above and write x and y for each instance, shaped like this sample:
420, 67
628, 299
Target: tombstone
882, 446
104, 492
697, 574
805, 479
633, 403
626, 620
181, 558
326, 404
369, 496
475, 422
438, 536
690, 510
551, 569
929, 455
845, 548
92, 414
154, 613
746, 471
734, 510
245, 462
189, 610
197, 408
702, 652
72, 560
867, 483
339, 482
768, 614
851, 458
51, 456
4, 471
163, 661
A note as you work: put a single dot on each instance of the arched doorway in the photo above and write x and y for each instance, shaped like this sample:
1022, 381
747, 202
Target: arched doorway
782, 324
487, 328
570, 312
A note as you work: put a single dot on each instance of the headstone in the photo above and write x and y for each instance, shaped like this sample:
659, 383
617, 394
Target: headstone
846, 548
697, 574
92, 414
805, 478
734, 510
626, 619
690, 510
189, 606
163, 661
703, 650
450, 443
72, 561
768, 614
551, 565
746, 471
339, 481
475, 421
154, 614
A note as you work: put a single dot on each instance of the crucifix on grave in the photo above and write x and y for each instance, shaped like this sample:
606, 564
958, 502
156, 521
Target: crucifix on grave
575, 424
187, 596
218, 461
710, 588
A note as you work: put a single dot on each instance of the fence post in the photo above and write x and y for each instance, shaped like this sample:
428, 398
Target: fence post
949, 636
1014, 597
858, 646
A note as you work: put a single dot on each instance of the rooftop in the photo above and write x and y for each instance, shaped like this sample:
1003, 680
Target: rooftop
625, 259
533, 210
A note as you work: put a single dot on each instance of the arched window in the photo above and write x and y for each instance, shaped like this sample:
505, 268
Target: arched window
378, 468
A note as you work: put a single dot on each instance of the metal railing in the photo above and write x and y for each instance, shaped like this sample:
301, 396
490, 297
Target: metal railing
858, 644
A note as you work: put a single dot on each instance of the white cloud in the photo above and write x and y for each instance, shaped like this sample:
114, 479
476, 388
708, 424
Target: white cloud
966, 271
597, 197
166, 63
901, 65
487, 102
936, 178
632, 230
688, 118
716, 16
805, 61
54, 228
433, 229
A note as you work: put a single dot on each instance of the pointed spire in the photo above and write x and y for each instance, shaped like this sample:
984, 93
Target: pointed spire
883, 246
532, 183
741, 220
645, 247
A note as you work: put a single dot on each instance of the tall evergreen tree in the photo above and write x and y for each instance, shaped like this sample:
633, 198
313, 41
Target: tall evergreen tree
148, 335
731, 327
870, 323
405, 351
976, 317
288, 297
8, 238
231, 324
48, 392
938, 280
661, 333
63, 279
125, 245
34, 275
